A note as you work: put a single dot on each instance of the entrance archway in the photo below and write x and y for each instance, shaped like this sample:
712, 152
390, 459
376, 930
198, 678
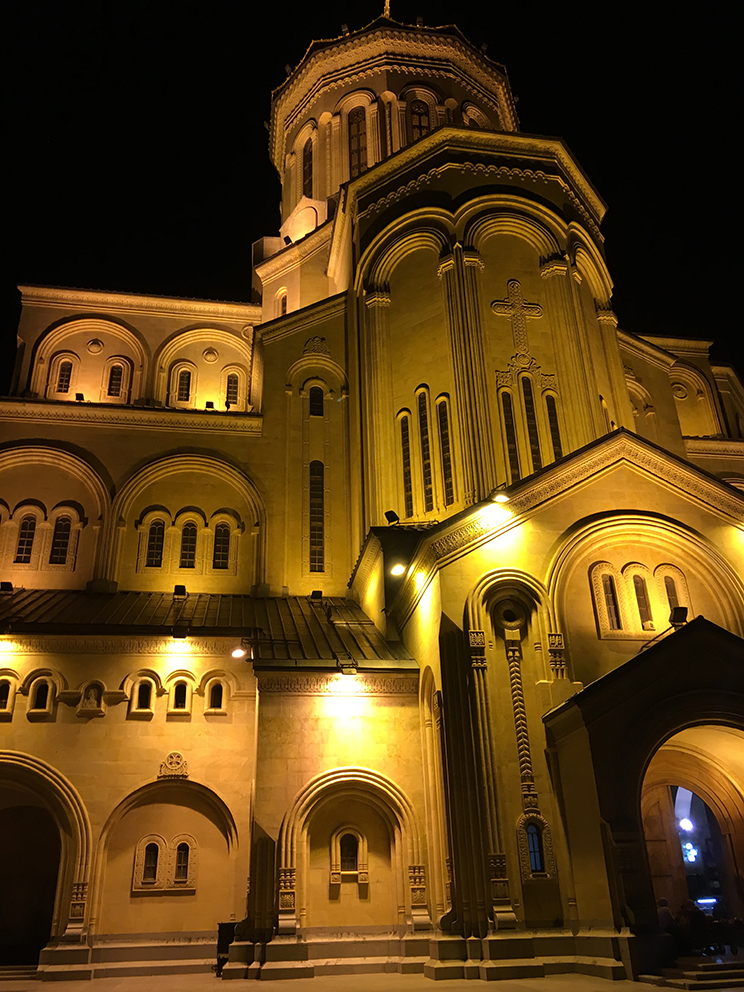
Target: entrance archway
693, 817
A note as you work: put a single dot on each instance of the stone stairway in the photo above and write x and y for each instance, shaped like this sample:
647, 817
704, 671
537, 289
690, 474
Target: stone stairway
129, 958
724, 971
18, 973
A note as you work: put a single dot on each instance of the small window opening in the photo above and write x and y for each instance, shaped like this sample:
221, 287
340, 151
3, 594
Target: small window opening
534, 843
357, 141
4, 694
511, 436
179, 696
215, 696
221, 554
155, 539
316, 401
644, 611
671, 591
419, 119
41, 696
283, 305
144, 696
307, 168
610, 595
555, 431
25, 540
231, 390
405, 444
184, 386
116, 376
182, 863
188, 546
60, 541
444, 443
529, 410
349, 853
317, 517
150, 870
64, 377
425, 452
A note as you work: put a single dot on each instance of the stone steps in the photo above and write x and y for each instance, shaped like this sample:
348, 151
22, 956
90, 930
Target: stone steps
699, 974
127, 958
18, 973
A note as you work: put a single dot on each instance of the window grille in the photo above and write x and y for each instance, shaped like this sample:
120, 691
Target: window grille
179, 696
231, 391
155, 540
25, 541
555, 431
221, 554
182, 863
307, 168
150, 869
511, 436
611, 604
188, 546
425, 452
349, 853
671, 591
641, 593
405, 444
317, 517
184, 386
116, 377
60, 541
357, 142
534, 844
316, 401
144, 696
444, 443
419, 121
529, 410
215, 696
64, 377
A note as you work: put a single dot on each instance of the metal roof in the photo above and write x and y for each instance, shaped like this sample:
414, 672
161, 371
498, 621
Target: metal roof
291, 628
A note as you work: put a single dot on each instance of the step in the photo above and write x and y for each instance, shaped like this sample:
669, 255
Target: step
110, 951
712, 982
18, 973
141, 969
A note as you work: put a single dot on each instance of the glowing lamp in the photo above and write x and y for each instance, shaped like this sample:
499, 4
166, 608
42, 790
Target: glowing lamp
500, 498
685, 824
398, 569
238, 653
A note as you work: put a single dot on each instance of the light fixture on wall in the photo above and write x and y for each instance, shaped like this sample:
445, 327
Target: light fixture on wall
392, 517
179, 593
209, 405
499, 495
79, 397
245, 650
316, 595
345, 663
398, 568
678, 617
6, 588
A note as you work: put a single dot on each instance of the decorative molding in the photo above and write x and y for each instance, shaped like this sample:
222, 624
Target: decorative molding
319, 685
76, 644
302, 320
112, 302
316, 346
524, 850
107, 415
174, 766
522, 362
727, 447
647, 352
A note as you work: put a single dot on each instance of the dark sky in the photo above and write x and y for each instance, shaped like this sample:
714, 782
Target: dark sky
139, 161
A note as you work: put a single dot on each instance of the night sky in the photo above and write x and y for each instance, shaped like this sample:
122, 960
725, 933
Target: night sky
139, 158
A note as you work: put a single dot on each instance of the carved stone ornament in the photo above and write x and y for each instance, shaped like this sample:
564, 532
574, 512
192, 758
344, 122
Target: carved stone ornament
322, 684
174, 766
524, 363
95, 346
316, 346
210, 355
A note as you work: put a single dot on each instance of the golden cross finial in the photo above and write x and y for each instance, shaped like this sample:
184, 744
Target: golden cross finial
386, 11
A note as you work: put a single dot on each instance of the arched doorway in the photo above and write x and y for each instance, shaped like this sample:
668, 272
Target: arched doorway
692, 806
30, 842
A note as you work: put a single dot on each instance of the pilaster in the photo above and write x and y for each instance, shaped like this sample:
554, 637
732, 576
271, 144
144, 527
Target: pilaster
381, 455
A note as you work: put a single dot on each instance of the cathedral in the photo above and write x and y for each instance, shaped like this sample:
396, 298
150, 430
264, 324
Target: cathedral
393, 621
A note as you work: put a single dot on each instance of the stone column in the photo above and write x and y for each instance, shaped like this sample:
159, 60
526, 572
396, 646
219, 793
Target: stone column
526, 774
459, 275
380, 457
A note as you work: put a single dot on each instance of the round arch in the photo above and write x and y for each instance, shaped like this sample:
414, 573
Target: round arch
183, 339
421, 229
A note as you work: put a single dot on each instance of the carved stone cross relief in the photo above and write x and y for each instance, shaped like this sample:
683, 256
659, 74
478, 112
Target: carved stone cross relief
518, 312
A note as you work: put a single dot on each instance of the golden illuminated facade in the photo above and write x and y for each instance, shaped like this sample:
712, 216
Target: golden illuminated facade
345, 617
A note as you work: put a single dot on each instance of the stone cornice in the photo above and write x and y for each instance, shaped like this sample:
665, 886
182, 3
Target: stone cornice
128, 418
715, 447
113, 302
633, 345
680, 346
295, 254
302, 320
338, 685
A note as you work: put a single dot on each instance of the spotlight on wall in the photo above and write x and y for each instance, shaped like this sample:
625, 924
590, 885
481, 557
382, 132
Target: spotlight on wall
499, 495
179, 593
181, 633
287, 240
6, 588
316, 594
398, 568
678, 616
245, 649
209, 405
345, 663
686, 824
79, 397
392, 517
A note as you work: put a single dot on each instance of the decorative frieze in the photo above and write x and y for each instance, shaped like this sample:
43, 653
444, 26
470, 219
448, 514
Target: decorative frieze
319, 685
556, 655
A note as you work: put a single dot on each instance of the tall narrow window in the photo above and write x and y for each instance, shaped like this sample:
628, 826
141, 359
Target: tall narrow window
511, 436
349, 853
188, 546
534, 845
231, 390
283, 305
420, 123
444, 444
425, 452
116, 376
641, 594
316, 401
64, 376
41, 696
4, 694
529, 412
25, 541
605, 414
60, 541
221, 554
215, 696
555, 431
182, 863
405, 445
307, 168
184, 386
150, 870
671, 591
144, 696
155, 539
610, 595
179, 696
317, 517
357, 142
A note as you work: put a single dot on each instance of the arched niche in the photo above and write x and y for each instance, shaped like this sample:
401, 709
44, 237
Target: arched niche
206, 351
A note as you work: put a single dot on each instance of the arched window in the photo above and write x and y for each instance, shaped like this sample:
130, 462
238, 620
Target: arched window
144, 696
555, 431
41, 696
182, 863
511, 436
307, 168
670, 587
150, 869
179, 696
405, 445
611, 604
534, 845
4, 694
529, 412
64, 377
231, 390
188, 546
184, 386
419, 122
349, 853
425, 452
357, 142
283, 304
60, 541
641, 594
316, 401
215, 696
116, 377
25, 540
446, 453
221, 554
155, 539
317, 517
